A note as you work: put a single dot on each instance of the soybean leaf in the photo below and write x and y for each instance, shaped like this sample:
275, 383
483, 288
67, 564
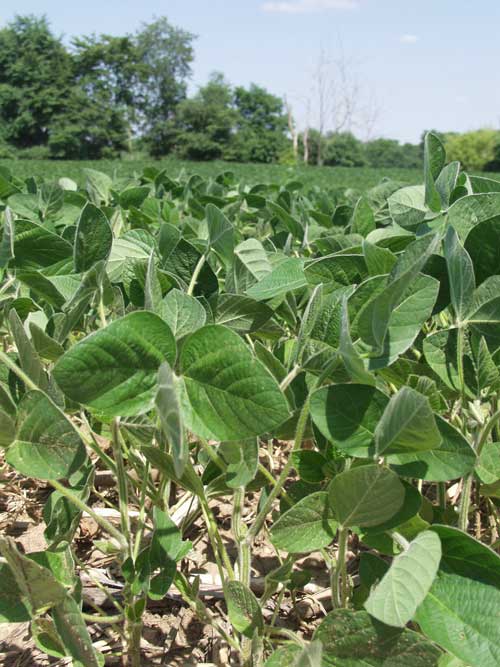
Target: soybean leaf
407, 425
403, 588
407, 206
229, 395
350, 356
310, 656
39, 588
46, 445
285, 277
354, 639
363, 220
169, 411
243, 608
220, 233
460, 274
7, 242
488, 465
365, 496
460, 612
241, 313
12, 606
114, 370
375, 317
305, 527
483, 246
242, 459
454, 458
183, 313
93, 238
434, 160
250, 265
347, 415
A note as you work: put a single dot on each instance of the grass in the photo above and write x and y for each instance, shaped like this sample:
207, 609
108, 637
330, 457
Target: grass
324, 177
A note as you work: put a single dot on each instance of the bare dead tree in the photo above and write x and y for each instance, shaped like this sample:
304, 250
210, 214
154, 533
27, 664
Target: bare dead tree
305, 134
292, 128
339, 98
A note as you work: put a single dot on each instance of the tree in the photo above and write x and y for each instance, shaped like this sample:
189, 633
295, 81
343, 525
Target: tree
475, 150
35, 80
343, 150
164, 56
382, 153
261, 126
202, 127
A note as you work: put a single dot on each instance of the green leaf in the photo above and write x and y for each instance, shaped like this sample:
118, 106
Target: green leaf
28, 358
7, 429
241, 313
483, 245
484, 314
488, 465
354, 639
406, 320
403, 588
378, 260
46, 445
460, 612
441, 353
310, 656
46, 347
353, 361
249, 266
73, 633
93, 238
12, 606
460, 274
243, 608
407, 206
365, 496
407, 425
347, 415
8, 235
374, 320
470, 211
363, 220
291, 223
152, 289
434, 161
39, 589
453, 459
305, 527
242, 459
114, 370
183, 313
286, 277
169, 411
220, 233
229, 395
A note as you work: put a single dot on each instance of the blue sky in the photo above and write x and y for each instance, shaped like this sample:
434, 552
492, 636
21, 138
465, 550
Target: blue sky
427, 63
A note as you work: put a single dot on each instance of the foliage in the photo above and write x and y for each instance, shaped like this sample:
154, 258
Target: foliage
164, 329
390, 153
476, 150
35, 78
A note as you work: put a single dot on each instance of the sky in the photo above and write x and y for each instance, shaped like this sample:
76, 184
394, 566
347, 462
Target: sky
420, 64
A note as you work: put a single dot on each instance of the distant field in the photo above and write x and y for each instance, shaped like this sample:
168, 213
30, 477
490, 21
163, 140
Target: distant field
324, 177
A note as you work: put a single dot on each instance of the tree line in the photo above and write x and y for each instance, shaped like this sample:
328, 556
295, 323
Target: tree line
105, 96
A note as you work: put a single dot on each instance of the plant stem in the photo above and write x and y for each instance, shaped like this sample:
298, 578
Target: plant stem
441, 488
460, 361
463, 512
239, 532
18, 371
107, 620
122, 482
100, 520
290, 377
220, 553
196, 274
299, 436
339, 587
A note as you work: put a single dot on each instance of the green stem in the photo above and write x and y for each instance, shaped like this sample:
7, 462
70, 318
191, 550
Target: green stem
239, 532
18, 371
299, 436
122, 482
463, 512
460, 361
196, 274
100, 520
107, 620
142, 513
220, 553
441, 488
339, 588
